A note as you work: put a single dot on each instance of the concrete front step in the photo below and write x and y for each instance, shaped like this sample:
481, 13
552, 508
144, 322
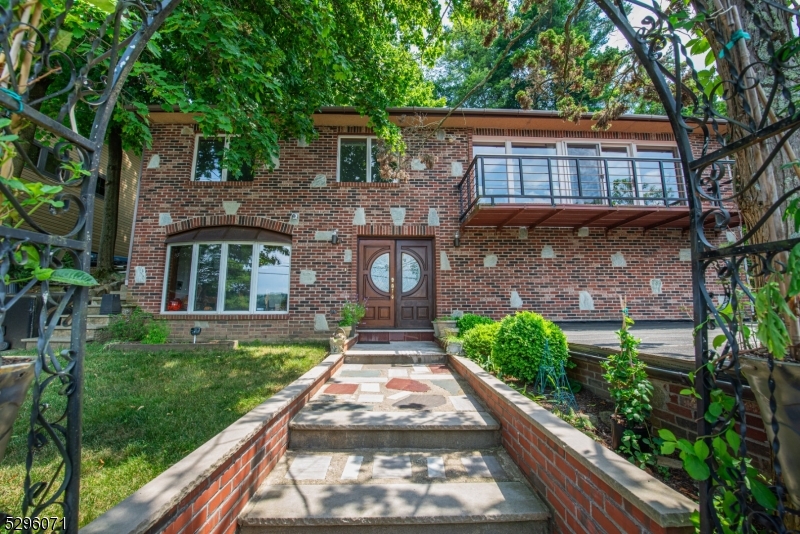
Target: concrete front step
400, 352
57, 342
418, 430
393, 490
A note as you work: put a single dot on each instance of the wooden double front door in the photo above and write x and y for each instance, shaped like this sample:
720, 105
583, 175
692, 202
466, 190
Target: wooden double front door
396, 278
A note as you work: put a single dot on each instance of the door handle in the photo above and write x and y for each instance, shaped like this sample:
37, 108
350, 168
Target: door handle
391, 288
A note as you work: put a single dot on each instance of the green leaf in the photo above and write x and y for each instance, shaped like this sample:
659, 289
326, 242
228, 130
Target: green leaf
107, 6
733, 439
719, 340
685, 446
73, 277
701, 449
43, 274
668, 447
715, 409
687, 392
763, 494
64, 39
666, 435
696, 468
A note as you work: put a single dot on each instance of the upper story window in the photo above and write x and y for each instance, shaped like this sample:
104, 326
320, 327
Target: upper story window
578, 172
215, 270
357, 160
207, 162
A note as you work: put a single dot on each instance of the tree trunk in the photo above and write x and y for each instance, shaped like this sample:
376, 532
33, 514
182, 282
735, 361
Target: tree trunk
108, 236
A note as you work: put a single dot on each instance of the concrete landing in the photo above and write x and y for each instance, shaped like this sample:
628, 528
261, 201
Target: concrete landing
393, 490
396, 352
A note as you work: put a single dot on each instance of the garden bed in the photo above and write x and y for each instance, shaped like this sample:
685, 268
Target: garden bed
174, 347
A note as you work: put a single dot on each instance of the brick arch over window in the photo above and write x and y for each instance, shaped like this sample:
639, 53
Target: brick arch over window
229, 220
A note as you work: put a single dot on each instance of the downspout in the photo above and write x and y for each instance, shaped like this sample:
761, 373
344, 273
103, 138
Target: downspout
135, 213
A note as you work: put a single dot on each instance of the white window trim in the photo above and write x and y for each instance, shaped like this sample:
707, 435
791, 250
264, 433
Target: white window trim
370, 139
197, 138
223, 273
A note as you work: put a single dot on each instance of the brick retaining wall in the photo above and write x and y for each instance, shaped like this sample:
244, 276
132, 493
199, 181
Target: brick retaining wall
672, 410
204, 492
588, 488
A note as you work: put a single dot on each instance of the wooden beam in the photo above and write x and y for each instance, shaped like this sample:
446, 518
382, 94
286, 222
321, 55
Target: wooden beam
509, 219
546, 218
628, 220
665, 221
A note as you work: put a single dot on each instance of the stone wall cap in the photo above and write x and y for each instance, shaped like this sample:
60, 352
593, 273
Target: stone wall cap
659, 502
145, 506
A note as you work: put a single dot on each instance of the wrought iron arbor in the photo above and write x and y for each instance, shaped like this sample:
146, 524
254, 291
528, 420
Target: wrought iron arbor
747, 114
45, 84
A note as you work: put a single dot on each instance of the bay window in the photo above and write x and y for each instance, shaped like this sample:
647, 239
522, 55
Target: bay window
226, 276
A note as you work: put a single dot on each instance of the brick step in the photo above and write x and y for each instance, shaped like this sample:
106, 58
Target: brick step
438, 491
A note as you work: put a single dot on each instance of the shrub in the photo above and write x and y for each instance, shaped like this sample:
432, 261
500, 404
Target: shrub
131, 327
520, 345
627, 380
468, 321
157, 333
478, 343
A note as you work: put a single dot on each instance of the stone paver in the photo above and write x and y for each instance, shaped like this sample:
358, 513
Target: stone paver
420, 402
310, 467
341, 389
403, 384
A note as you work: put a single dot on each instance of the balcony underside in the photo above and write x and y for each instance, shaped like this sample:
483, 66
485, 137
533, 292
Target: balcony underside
578, 216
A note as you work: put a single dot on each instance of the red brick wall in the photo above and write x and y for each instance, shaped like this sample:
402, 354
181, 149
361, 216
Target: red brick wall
214, 506
548, 286
581, 502
678, 412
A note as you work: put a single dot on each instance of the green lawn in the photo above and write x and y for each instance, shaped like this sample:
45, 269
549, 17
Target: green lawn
144, 412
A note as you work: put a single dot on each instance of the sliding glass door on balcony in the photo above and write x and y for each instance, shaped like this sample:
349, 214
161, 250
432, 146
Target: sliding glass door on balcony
492, 174
507, 179
658, 177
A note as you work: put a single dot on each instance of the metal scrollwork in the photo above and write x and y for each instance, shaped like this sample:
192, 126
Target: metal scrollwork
743, 111
45, 84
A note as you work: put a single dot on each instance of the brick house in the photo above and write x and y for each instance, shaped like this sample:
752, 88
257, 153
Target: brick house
515, 210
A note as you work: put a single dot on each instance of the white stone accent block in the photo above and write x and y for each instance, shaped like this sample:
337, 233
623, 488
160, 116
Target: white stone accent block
730, 236
320, 323
370, 399
456, 169
433, 217
309, 467
187, 130
440, 135
685, 254
352, 467
456, 313
391, 467
348, 256
371, 388
155, 162
308, 278
586, 302
139, 275
323, 235
548, 253
583, 232
320, 180
164, 219
417, 165
618, 260
294, 219
230, 207
462, 403
516, 301
444, 261
301, 141
359, 217
490, 260
655, 286
276, 162
436, 467
398, 215
201, 324
523, 233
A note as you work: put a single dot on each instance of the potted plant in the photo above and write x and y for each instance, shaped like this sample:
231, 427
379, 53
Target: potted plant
628, 386
445, 325
351, 314
454, 344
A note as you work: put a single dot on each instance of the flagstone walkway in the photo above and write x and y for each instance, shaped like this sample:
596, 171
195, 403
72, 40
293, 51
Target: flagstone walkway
394, 446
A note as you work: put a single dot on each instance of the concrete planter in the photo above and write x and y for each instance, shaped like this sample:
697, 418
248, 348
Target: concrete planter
455, 347
444, 326
16, 375
181, 347
787, 398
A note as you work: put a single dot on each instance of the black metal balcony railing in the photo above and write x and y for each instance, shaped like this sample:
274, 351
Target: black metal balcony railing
580, 180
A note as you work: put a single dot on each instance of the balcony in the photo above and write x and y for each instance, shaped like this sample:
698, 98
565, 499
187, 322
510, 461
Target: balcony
573, 191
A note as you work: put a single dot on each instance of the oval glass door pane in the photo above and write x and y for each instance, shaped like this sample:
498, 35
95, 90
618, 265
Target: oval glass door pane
379, 272
412, 272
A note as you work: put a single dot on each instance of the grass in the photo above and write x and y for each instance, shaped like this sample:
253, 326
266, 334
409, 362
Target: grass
142, 412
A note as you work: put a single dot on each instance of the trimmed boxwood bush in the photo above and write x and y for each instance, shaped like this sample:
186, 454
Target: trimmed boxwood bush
479, 341
468, 321
520, 345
